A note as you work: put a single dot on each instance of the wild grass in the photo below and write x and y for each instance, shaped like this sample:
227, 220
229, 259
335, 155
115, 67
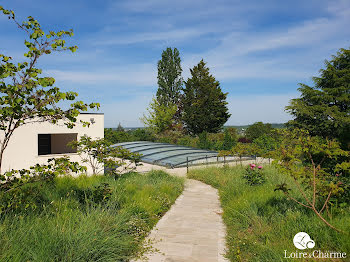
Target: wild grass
261, 223
75, 222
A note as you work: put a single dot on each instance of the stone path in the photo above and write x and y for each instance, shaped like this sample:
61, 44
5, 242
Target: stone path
192, 230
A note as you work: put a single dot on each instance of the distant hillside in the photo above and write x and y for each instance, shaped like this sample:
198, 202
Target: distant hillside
274, 125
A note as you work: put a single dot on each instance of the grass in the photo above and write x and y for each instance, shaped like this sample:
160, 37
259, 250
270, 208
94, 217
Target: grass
86, 218
261, 223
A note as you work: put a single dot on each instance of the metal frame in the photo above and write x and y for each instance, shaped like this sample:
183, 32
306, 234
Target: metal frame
150, 147
195, 159
169, 150
197, 153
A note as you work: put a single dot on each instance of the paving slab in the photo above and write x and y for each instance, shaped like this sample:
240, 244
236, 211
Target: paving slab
192, 230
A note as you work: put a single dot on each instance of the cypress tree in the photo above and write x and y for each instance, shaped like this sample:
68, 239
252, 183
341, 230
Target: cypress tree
169, 77
204, 103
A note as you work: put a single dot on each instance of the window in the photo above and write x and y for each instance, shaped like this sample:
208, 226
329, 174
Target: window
56, 143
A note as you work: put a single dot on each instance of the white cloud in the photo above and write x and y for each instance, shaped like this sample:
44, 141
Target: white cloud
134, 75
173, 35
253, 54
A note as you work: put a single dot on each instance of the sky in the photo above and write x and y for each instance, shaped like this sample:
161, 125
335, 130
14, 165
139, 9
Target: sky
258, 50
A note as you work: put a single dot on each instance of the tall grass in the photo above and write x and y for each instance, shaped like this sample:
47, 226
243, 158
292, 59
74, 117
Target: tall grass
72, 224
261, 223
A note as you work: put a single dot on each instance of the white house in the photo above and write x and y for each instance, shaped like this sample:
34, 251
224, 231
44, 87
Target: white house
37, 142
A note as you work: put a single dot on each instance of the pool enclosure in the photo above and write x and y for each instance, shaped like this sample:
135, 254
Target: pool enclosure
172, 156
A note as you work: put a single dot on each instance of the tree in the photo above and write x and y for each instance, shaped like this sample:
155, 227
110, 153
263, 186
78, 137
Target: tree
324, 109
204, 104
169, 77
27, 97
258, 129
203, 142
160, 117
101, 156
120, 128
267, 145
229, 141
311, 162
113, 136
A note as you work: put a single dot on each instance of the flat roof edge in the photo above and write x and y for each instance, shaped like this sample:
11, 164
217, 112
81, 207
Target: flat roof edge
91, 113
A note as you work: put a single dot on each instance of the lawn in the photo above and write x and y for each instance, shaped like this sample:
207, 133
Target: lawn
92, 218
261, 223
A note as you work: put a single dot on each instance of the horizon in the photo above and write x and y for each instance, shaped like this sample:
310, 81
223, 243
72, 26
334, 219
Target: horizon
259, 52
136, 127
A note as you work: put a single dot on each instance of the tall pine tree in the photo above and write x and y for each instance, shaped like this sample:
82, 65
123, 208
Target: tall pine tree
169, 77
204, 103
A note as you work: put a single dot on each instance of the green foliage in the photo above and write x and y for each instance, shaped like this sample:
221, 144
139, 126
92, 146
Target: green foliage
160, 117
14, 190
261, 223
99, 194
93, 218
188, 141
102, 157
204, 103
142, 134
26, 96
254, 175
170, 136
113, 136
120, 128
324, 109
203, 142
266, 144
258, 129
245, 149
169, 78
229, 141
312, 163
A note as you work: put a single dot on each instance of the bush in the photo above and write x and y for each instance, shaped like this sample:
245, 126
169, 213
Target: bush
228, 141
143, 134
97, 195
188, 141
203, 142
254, 175
244, 140
113, 136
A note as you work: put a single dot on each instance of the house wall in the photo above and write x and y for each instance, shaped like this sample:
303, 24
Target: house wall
22, 150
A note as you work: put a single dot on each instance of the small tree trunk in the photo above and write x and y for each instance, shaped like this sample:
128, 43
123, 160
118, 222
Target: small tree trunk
1, 156
2, 149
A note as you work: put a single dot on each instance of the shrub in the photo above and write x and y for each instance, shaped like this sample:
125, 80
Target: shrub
244, 140
228, 141
315, 164
254, 175
188, 141
204, 142
143, 134
97, 195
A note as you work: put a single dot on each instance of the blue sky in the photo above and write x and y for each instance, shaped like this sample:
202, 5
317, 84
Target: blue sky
258, 50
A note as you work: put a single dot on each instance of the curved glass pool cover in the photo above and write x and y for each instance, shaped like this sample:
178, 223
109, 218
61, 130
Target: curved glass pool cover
169, 155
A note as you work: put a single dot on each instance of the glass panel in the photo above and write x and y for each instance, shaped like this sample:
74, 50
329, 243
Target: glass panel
155, 147
164, 155
177, 160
